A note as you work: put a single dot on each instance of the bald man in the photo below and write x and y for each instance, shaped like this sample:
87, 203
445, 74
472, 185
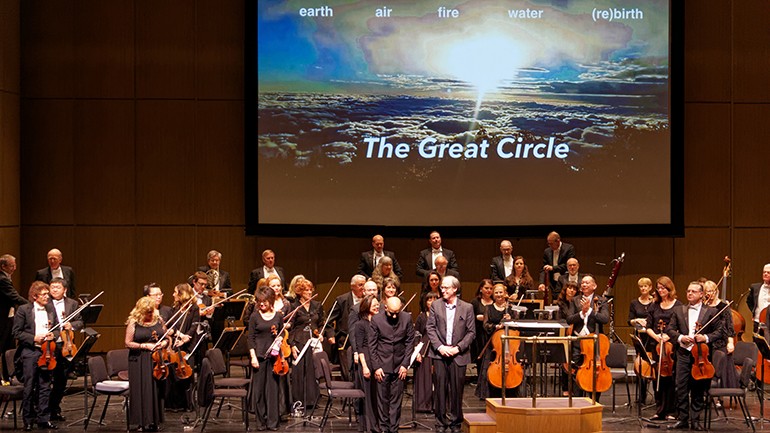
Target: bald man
369, 259
390, 334
56, 270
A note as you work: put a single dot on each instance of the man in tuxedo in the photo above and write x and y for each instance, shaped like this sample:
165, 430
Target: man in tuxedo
268, 268
442, 267
590, 313
153, 290
555, 262
451, 329
427, 260
56, 270
391, 334
337, 327
199, 284
369, 259
691, 393
502, 265
9, 299
759, 295
30, 328
64, 307
572, 275
220, 280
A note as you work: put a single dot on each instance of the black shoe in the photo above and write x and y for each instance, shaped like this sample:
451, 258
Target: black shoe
27, 427
47, 425
679, 425
58, 417
697, 426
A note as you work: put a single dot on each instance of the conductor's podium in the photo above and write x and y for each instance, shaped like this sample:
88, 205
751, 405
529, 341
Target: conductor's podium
549, 415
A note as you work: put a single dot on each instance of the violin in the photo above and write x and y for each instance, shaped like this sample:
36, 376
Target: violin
178, 358
281, 364
701, 368
585, 374
665, 352
514, 372
160, 360
68, 348
47, 360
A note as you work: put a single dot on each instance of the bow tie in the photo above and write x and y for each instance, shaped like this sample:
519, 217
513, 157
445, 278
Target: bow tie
39, 309
436, 251
270, 270
451, 306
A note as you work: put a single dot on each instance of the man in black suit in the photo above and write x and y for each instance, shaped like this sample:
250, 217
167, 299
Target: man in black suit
30, 328
442, 267
9, 298
56, 270
268, 268
427, 259
572, 275
218, 279
502, 265
691, 393
391, 334
199, 284
337, 327
451, 328
369, 259
759, 296
64, 307
590, 314
555, 262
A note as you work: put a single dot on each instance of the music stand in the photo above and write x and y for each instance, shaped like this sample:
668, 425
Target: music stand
642, 353
80, 357
227, 341
226, 311
764, 349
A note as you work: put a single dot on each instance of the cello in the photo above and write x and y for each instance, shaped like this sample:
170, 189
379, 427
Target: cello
514, 372
585, 374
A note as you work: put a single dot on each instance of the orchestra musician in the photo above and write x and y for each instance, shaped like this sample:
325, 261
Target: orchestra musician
566, 309
199, 284
179, 391
432, 283
590, 313
220, 280
638, 311
306, 323
726, 345
494, 316
30, 327
347, 304
144, 328
368, 416
154, 291
264, 325
64, 307
268, 268
423, 368
555, 262
691, 393
502, 265
519, 281
759, 296
280, 304
660, 313
427, 260
56, 270
369, 260
451, 330
480, 302
9, 299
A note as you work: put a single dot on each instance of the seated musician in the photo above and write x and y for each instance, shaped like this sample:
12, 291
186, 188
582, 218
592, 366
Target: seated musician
64, 308
30, 327
684, 330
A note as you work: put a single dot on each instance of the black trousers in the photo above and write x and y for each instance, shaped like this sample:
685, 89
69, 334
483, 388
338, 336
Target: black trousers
264, 394
37, 388
58, 381
389, 394
690, 393
448, 383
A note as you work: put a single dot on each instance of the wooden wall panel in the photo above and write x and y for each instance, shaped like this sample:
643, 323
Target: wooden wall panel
707, 164
749, 257
47, 158
751, 180
10, 243
700, 254
107, 260
219, 145
104, 48
104, 186
163, 256
9, 48
48, 45
165, 49
709, 47
9, 159
237, 251
38, 240
752, 50
166, 166
219, 49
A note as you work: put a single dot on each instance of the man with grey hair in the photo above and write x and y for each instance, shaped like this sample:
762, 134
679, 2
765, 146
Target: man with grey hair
56, 270
9, 300
337, 326
451, 329
502, 265
218, 279
268, 268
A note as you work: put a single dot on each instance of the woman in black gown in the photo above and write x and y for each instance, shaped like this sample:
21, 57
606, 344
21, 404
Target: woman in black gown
283, 305
566, 309
143, 329
361, 369
659, 317
726, 345
264, 326
495, 315
423, 368
306, 323
179, 391
519, 281
638, 312
480, 302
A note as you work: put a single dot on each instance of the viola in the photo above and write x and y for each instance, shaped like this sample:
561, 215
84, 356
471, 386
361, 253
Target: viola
514, 372
68, 348
585, 374
701, 367
47, 360
280, 363
160, 360
182, 369
665, 351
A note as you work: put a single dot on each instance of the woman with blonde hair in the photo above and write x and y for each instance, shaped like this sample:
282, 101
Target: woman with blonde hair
143, 329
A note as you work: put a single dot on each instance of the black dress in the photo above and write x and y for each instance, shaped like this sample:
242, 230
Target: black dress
423, 380
367, 410
484, 389
637, 310
179, 391
728, 375
481, 337
263, 399
665, 395
145, 393
305, 322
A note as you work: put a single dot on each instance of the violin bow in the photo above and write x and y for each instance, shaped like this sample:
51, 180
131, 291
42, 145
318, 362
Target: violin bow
75, 313
407, 302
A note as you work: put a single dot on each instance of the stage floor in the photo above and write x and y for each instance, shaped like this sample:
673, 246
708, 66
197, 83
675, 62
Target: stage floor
624, 420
